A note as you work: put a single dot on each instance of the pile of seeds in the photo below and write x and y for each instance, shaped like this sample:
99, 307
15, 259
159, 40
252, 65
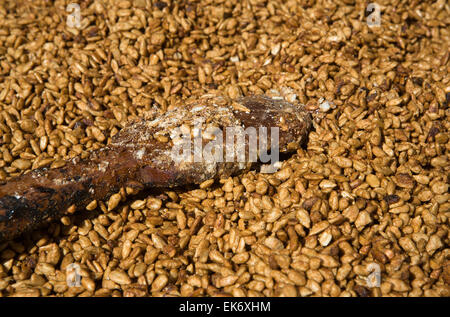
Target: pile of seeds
366, 197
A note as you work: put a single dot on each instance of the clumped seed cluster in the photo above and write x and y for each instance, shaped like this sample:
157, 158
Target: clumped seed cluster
370, 186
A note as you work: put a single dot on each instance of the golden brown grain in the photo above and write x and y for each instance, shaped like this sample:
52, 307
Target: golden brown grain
369, 186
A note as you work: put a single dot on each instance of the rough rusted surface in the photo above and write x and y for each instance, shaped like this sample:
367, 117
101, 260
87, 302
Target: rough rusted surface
135, 156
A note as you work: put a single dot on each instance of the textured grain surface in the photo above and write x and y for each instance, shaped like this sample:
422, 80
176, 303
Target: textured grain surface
368, 190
